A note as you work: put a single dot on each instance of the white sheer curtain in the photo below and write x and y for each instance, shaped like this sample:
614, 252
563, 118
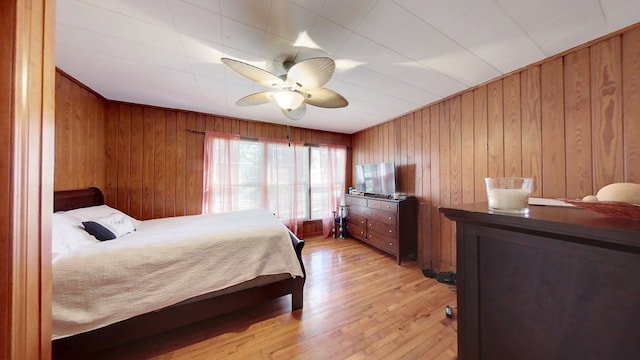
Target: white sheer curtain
244, 174
333, 160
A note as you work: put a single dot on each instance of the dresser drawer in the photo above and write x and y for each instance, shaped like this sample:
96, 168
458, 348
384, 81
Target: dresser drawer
357, 210
356, 220
382, 242
382, 229
382, 205
355, 200
383, 216
356, 231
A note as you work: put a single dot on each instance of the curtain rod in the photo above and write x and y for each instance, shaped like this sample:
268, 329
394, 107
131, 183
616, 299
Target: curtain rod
249, 138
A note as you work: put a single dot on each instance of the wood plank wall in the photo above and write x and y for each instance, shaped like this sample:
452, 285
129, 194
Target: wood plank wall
154, 167
142, 157
80, 136
571, 122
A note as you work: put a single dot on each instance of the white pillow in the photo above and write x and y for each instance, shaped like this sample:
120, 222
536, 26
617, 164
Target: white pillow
110, 227
67, 234
97, 212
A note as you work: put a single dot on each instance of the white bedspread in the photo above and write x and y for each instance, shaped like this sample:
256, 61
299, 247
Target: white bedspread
164, 262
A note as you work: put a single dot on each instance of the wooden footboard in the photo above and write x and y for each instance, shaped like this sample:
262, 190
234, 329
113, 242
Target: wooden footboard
145, 325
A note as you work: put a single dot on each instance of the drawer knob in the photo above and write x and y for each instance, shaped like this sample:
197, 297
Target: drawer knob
390, 244
390, 218
390, 231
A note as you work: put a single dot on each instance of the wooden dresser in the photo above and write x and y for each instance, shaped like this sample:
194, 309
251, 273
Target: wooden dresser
562, 283
389, 225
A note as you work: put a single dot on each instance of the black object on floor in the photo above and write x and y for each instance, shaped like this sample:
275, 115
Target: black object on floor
448, 277
430, 273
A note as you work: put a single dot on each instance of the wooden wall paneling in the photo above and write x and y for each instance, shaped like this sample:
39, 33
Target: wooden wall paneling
159, 168
535, 123
391, 134
577, 114
409, 158
136, 199
481, 142
100, 159
495, 129
79, 136
455, 146
251, 130
148, 178
210, 123
402, 152
445, 183
425, 241
631, 104
531, 127
512, 126
434, 127
426, 154
553, 129
376, 154
397, 147
244, 128
219, 125
171, 131
199, 168
124, 150
416, 156
606, 105
85, 112
382, 143
455, 174
235, 126
467, 147
181, 160
64, 148
111, 153
191, 152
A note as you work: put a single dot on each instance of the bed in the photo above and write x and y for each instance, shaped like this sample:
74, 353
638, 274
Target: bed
91, 281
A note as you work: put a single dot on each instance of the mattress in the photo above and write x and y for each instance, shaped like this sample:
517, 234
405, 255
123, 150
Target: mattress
165, 262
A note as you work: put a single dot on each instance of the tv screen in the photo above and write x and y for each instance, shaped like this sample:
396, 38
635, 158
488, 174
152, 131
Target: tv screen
378, 179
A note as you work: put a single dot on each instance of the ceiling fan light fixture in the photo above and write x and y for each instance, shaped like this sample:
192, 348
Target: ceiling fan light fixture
288, 100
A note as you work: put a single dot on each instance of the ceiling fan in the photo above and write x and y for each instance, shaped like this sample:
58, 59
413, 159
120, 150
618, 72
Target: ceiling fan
302, 84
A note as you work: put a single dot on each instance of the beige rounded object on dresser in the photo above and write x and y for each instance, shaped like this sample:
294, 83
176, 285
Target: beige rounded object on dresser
625, 192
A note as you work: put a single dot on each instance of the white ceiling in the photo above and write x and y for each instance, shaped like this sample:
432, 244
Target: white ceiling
392, 56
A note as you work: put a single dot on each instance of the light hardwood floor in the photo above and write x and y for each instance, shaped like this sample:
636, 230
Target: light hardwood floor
359, 304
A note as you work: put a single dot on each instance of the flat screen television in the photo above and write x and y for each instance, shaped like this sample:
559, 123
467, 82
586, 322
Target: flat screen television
376, 179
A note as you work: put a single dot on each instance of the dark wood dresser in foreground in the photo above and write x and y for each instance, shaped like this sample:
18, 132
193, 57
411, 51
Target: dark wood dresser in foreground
562, 283
389, 225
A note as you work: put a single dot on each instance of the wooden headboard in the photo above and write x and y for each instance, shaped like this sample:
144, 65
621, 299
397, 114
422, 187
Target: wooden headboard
73, 199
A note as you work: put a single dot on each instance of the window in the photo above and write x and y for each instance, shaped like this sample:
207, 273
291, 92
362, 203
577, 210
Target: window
295, 181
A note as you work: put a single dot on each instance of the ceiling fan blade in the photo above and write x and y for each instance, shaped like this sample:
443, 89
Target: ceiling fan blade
296, 114
311, 73
262, 77
325, 98
255, 99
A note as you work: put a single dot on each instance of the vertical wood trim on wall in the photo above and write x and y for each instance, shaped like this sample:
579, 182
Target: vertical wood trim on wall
481, 141
512, 126
531, 114
27, 103
606, 104
577, 91
631, 103
553, 132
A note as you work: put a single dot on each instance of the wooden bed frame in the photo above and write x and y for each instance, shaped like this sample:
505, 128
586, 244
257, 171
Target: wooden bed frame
153, 323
